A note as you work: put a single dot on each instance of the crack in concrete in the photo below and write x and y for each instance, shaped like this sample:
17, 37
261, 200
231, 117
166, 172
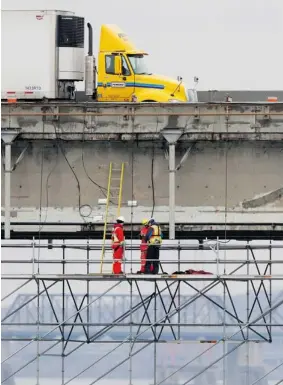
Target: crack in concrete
265, 199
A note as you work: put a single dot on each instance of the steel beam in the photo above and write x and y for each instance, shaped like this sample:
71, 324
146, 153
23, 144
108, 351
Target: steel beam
236, 231
143, 277
180, 246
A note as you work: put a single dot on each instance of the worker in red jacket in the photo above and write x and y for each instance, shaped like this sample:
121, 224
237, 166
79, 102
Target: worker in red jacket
143, 245
118, 242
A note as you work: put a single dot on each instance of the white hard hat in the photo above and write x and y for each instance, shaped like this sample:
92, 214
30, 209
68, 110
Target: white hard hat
121, 219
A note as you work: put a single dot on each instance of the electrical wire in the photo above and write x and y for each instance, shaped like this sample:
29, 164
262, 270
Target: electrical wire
73, 172
152, 169
38, 257
133, 195
80, 206
225, 253
102, 189
152, 181
41, 188
46, 188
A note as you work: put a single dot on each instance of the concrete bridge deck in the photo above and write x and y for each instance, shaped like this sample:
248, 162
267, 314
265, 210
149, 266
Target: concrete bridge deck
146, 121
227, 165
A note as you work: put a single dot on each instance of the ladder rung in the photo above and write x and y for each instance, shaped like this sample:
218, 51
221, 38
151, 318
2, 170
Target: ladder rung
114, 192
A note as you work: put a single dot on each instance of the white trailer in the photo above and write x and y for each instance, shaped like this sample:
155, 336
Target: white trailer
42, 54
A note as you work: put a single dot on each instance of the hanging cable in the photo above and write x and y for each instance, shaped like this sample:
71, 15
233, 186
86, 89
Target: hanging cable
225, 251
226, 191
152, 181
132, 198
41, 190
47, 190
102, 189
38, 255
80, 206
152, 170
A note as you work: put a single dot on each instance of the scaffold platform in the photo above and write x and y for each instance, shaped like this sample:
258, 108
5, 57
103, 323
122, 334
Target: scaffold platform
141, 277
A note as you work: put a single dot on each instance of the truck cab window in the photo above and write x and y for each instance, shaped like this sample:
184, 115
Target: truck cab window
138, 63
125, 68
109, 64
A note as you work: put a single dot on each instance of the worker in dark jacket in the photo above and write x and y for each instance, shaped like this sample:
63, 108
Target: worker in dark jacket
144, 246
154, 239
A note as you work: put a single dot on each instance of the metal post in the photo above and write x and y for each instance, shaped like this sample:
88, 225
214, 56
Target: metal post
33, 255
172, 136
131, 335
8, 136
248, 317
124, 258
63, 315
179, 290
87, 287
7, 190
155, 342
172, 191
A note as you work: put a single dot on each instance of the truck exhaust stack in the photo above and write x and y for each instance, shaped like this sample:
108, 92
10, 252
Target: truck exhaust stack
90, 65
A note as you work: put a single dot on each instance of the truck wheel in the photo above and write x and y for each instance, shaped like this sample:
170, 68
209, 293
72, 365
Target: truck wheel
149, 101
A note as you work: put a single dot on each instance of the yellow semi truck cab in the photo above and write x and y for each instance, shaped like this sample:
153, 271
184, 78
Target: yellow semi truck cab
124, 77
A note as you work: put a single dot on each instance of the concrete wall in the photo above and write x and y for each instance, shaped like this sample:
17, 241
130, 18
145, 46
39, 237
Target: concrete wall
253, 169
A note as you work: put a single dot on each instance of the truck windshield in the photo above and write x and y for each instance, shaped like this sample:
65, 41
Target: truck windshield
138, 64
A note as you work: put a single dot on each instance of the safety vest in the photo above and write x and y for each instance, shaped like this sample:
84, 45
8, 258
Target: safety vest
155, 239
117, 236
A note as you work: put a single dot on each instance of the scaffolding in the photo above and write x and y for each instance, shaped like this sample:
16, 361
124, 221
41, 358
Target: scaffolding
197, 318
184, 326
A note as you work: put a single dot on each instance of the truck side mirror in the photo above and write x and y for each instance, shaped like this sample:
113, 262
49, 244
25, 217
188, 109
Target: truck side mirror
118, 65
